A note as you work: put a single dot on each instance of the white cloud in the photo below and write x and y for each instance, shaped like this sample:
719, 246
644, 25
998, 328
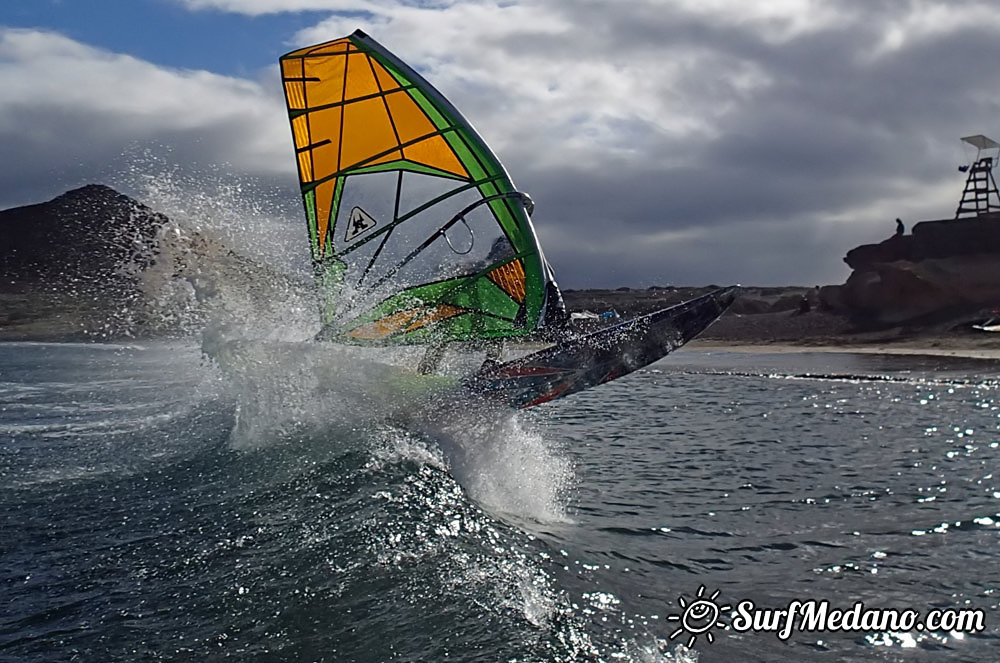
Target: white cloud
777, 20
66, 103
261, 7
796, 125
534, 79
930, 19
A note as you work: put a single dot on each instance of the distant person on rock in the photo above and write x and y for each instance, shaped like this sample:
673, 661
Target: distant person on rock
900, 228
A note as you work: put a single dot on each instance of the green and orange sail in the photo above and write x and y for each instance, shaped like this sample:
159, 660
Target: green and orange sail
417, 232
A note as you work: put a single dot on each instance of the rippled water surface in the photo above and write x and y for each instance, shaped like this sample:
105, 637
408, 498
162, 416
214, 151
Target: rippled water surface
153, 507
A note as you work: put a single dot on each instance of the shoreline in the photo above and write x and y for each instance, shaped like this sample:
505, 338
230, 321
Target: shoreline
929, 348
926, 349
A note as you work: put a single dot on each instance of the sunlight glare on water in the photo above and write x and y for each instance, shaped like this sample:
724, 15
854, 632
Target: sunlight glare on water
163, 506
252, 495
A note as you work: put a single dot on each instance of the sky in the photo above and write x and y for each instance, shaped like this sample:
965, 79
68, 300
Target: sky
681, 142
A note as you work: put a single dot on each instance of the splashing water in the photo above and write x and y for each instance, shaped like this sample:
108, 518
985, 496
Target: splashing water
232, 256
503, 463
285, 390
450, 496
256, 325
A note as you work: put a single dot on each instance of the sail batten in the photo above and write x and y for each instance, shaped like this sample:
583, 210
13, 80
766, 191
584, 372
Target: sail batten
417, 232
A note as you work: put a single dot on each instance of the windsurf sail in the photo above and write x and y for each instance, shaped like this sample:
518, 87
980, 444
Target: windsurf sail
417, 232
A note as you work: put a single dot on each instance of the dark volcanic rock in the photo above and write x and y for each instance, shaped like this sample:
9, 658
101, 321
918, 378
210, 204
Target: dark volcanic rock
88, 236
947, 238
945, 268
70, 267
899, 247
96, 264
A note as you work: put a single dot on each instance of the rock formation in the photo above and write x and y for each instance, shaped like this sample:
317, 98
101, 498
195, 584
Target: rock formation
93, 263
70, 266
945, 268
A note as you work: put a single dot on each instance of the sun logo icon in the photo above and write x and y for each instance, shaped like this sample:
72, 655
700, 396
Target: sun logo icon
700, 616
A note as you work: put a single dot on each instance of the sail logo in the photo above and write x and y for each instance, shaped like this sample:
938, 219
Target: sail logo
358, 223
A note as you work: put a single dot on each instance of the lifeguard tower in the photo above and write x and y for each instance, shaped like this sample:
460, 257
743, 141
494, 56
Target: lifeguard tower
980, 196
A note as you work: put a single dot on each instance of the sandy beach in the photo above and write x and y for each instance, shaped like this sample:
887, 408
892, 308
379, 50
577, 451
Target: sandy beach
918, 349
819, 331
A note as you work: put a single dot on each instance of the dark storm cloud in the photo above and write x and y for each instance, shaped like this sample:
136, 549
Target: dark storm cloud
839, 124
678, 142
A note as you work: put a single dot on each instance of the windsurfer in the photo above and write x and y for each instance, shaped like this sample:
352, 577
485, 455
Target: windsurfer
499, 251
435, 352
408, 129
432, 357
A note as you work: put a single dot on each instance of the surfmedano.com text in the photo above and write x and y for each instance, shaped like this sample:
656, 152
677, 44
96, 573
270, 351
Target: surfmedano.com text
814, 616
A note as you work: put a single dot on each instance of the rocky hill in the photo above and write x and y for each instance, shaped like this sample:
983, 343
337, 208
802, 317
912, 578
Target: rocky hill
93, 263
89, 235
70, 267
945, 270
96, 264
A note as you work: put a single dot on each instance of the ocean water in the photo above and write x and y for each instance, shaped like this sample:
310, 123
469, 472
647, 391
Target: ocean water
154, 507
